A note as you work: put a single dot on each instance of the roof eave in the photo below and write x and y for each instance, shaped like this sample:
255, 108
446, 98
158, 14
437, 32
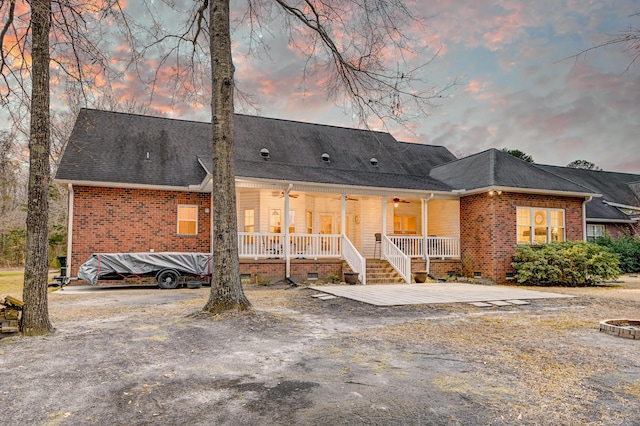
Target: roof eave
463, 192
601, 220
621, 206
337, 188
124, 185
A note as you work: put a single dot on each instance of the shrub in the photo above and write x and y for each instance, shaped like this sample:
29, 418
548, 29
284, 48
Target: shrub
627, 247
565, 264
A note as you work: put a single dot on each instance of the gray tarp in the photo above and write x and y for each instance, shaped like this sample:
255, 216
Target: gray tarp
132, 264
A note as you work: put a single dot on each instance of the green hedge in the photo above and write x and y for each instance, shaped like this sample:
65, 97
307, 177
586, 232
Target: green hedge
565, 264
628, 248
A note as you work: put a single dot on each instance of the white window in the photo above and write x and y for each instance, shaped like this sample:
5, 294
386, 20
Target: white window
187, 220
249, 220
540, 225
275, 221
594, 231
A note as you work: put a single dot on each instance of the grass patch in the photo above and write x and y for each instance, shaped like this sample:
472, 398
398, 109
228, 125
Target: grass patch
11, 283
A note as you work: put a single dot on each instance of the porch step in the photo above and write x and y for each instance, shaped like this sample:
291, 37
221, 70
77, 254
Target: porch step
379, 272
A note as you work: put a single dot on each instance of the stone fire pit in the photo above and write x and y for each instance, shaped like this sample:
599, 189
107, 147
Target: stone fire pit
626, 328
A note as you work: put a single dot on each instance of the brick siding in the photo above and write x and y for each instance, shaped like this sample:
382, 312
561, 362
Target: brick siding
488, 229
114, 220
439, 268
274, 270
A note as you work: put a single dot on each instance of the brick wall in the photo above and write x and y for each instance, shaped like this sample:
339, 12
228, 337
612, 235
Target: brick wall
112, 220
275, 269
488, 229
616, 230
439, 268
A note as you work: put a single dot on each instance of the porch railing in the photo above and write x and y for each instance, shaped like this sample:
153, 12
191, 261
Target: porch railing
259, 245
413, 246
354, 259
394, 255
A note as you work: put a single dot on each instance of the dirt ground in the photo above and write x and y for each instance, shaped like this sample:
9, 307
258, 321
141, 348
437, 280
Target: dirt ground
144, 356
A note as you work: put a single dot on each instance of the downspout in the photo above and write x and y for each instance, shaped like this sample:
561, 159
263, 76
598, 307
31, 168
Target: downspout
425, 228
286, 245
584, 217
69, 228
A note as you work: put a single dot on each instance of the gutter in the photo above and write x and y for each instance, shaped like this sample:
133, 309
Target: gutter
69, 228
596, 220
525, 191
584, 217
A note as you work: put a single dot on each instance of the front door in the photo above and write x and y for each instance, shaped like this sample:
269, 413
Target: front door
326, 227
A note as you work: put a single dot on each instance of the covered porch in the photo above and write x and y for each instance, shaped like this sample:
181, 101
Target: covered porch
300, 222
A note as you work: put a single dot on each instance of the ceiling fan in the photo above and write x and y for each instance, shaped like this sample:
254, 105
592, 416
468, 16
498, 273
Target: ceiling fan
281, 194
396, 201
349, 198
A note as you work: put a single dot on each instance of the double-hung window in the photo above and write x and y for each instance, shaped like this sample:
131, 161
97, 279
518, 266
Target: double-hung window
540, 225
594, 231
187, 220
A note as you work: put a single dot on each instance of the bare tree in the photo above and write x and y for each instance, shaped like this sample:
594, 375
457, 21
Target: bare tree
357, 72
628, 40
362, 49
35, 318
34, 34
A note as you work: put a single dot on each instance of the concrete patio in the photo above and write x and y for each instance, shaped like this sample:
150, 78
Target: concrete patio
425, 294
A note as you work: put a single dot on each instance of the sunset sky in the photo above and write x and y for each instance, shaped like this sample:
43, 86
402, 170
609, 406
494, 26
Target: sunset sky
516, 91
517, 88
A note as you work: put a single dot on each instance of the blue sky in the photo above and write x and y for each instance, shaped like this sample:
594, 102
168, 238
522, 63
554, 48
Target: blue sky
516, 91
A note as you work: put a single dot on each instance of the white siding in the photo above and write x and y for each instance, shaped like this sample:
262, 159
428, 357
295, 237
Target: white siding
370, 223
248, 199
444, 218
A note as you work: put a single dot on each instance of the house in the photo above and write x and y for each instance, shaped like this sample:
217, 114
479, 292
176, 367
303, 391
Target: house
313, 198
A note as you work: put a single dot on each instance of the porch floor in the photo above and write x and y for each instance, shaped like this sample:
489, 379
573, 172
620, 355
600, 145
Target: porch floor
425, 294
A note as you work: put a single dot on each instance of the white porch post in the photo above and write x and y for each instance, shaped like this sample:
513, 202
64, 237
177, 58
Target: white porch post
425, 226
343, 214
425, 230
287, 254
384, 215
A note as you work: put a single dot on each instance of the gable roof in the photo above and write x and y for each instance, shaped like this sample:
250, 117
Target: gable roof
119, 149
129, 149
497, 169
617, 188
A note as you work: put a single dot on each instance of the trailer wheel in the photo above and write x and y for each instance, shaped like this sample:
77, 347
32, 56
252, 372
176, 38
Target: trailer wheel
168, 279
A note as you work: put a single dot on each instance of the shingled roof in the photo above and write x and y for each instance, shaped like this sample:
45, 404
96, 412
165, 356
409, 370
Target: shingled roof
117, 148
111, 149
615, 188
498, 169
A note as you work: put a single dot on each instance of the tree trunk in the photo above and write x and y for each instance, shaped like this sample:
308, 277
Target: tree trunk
226, 287
35, 315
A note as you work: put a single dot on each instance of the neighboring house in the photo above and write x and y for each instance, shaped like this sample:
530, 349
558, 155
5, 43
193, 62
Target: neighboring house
310, 197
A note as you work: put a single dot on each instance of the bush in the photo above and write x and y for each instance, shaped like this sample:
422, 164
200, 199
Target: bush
565, 264
627, 247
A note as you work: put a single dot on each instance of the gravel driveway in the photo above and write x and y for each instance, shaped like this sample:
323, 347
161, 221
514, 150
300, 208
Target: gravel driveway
146, 356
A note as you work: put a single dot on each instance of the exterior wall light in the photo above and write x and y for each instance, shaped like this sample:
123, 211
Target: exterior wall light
374, 162
325, 157
264, 153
